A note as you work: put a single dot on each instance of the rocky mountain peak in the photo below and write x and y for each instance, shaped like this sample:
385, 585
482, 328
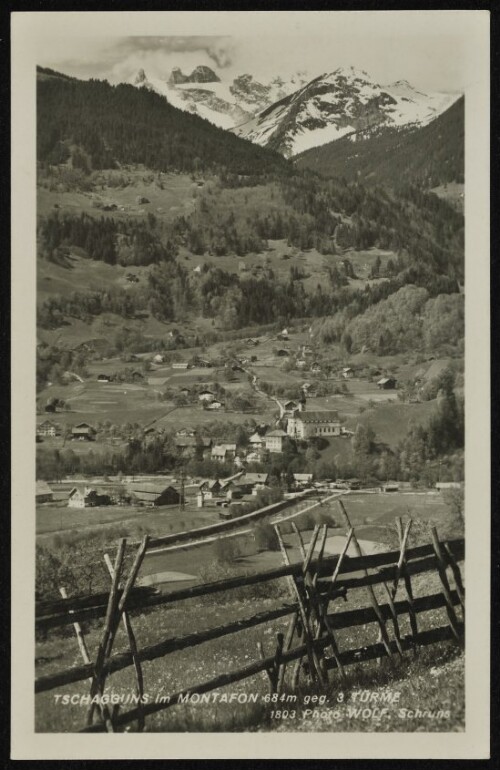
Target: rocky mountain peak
203, 74
140, 78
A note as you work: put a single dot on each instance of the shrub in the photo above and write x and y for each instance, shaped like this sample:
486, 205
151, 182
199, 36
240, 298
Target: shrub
225, 550
305, 521
265, 537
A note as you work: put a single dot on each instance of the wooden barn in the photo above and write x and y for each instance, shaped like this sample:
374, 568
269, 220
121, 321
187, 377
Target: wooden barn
155, 494
43, 493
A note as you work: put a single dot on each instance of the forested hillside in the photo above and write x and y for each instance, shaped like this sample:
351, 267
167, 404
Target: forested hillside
248, 198
427, 157
122, 124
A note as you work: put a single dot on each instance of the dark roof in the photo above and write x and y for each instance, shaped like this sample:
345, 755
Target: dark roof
83, 427
252, 478
275, 433
326, 416
151, 492
42, 488
192, 441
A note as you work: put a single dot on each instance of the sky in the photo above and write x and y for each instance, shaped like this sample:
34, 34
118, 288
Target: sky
430, 57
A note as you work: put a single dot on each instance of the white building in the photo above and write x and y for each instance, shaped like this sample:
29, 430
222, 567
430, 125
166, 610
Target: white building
223, 452
309, 424
274, 440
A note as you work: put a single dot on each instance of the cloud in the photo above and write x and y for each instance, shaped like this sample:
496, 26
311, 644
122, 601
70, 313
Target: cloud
217, 48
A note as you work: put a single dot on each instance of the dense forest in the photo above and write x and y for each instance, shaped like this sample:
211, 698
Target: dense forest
123, 124
427, 157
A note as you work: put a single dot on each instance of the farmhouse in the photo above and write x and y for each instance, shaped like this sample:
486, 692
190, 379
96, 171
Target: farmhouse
206, 395
180, 365
347, 372
184, 392
158, 358
155, 494
103, 378
86, 497
43, 493
190, 446
46, 428
274, 440
185, 432
250, 483
315, 368
257, 440
223, 452
387, 383
83, 432
309, 424
215, 490
302, 480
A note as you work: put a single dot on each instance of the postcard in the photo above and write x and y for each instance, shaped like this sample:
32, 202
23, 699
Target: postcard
250, 280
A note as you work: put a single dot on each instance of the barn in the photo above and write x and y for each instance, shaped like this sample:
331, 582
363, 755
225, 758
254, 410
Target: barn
155, 494
43, 493
387, 383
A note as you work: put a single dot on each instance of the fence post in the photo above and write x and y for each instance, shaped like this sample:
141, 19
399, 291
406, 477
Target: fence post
294, 588
135, 654
273, 670
407, 581
456, 576
116, 606
371, 592
78, 632
97, 684
441, 568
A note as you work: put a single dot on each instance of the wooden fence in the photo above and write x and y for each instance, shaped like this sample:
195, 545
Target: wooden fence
309, 640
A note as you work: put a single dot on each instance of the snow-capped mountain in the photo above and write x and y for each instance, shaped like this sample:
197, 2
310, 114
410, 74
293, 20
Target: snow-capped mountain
226, 103
346, 101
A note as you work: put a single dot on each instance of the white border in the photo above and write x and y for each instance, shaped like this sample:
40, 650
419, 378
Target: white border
28, 29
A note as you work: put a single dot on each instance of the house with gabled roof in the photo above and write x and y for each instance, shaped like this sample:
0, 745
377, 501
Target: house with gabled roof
223, 452
83, 432
47, 428
387, 383
86, 497
274, 440
206, 395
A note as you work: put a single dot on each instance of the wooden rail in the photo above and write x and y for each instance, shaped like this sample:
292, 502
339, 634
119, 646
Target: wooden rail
77, 609
314, 584
440, 634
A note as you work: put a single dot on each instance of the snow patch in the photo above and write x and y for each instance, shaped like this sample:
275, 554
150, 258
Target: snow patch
317, 136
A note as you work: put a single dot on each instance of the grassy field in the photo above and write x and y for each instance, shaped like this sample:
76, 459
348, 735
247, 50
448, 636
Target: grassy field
176, 198
391, 421
432, 681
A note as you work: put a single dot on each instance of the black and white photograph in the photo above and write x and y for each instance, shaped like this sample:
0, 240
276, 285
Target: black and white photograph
250, 281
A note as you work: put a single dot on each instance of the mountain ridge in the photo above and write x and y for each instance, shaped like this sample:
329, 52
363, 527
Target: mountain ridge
333, 105
427, 156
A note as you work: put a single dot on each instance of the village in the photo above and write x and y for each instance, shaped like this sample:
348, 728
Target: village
240, 467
